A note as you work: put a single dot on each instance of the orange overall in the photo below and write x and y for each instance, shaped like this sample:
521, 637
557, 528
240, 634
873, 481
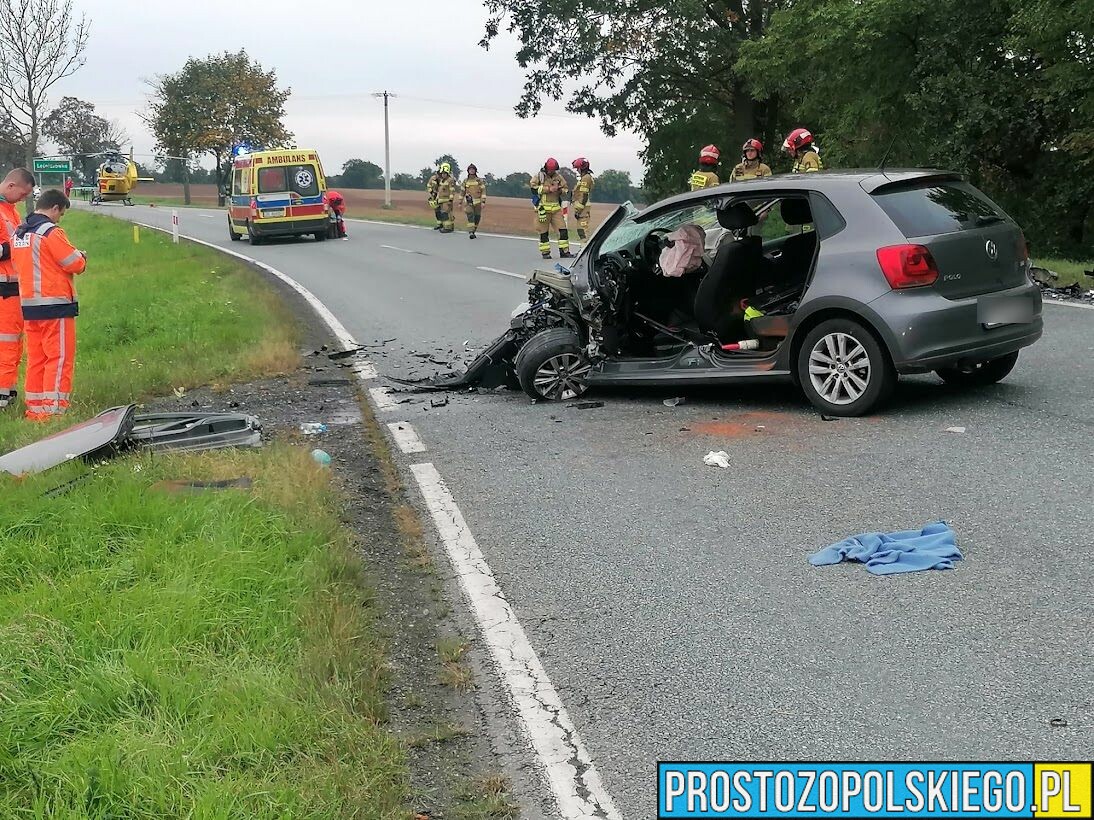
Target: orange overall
11, 312
47, 265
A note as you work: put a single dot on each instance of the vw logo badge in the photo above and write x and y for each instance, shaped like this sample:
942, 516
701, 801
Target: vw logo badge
991, 250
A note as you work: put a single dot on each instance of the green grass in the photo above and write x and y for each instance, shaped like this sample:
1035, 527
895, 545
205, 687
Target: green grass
156, 316
205, 655
1069, 270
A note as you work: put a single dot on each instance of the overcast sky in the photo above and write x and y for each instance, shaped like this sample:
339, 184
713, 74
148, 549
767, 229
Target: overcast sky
454, 96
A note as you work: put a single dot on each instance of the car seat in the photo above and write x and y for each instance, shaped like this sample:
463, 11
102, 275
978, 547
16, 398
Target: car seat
731, 278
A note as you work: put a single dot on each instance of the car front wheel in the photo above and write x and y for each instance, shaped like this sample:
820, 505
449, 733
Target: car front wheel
980, 374
552, 367
842, 369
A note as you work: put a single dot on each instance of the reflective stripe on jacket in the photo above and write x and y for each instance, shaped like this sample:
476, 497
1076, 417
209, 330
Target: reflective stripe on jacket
47, 265
475, 188
703, 179
552, 189
808, 161
9, 222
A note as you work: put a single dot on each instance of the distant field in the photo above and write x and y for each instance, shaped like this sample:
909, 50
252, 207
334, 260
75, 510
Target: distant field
501, 215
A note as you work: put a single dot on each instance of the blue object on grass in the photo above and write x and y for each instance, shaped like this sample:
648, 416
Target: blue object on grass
933, 547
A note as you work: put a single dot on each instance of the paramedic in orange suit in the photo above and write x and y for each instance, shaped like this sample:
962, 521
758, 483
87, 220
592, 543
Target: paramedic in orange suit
16, 187
47, 265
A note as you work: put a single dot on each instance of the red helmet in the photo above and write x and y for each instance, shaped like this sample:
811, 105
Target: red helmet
580, 163
709, 155
550, 165
755, 145
798, 139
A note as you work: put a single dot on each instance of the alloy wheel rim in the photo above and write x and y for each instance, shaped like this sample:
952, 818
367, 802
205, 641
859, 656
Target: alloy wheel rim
562, 377
839, 368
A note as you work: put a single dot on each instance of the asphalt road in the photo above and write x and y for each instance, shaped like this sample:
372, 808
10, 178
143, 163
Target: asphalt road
671, 603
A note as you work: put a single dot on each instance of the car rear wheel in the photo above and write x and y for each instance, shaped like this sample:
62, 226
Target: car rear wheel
252, 236
320, 236
843, 370
232, 231
980, 374
552, 367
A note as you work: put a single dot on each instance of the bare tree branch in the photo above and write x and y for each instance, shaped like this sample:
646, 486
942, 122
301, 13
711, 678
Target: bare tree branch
41, 43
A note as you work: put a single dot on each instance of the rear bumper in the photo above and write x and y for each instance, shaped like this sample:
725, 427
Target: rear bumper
928, 331
294, 228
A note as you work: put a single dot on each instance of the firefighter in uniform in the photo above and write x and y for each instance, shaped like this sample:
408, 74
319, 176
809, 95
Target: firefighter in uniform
16, 187
549, 190
706, 176
582, 193
47, 265
751, 165
431, 197
442, 193
474, 197
799, 144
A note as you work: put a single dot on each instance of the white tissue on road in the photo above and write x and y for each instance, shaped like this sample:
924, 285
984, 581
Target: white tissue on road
717, 459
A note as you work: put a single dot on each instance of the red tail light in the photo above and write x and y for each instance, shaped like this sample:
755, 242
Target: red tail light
254, 209
907, 266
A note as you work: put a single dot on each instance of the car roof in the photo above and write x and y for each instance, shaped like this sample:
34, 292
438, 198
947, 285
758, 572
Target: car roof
866, 179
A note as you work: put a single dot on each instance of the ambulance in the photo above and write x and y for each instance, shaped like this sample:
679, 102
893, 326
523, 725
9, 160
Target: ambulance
277, 193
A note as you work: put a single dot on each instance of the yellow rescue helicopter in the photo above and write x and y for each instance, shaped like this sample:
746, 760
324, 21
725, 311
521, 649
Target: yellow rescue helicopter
117, 177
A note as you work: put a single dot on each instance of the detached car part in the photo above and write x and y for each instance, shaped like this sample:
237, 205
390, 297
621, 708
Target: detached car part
193, 432
120, 429
102, 435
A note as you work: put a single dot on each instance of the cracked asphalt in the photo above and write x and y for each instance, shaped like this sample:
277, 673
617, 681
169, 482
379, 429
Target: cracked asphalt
671, 603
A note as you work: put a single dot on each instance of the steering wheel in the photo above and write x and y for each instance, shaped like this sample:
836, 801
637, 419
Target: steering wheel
649, 249
616, 263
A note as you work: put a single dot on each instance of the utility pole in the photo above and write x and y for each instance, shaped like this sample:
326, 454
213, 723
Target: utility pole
387, 149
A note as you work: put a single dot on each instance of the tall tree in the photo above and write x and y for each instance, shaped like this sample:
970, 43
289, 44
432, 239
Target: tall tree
995, 88
214, 104
359, 173
613, 186
41, 43
75, 128
646, 66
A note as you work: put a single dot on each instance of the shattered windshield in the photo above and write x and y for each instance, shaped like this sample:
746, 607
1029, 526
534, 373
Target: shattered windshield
625, 233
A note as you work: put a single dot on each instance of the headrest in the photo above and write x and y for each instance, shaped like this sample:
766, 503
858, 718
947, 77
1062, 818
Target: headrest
796, 212
737, 217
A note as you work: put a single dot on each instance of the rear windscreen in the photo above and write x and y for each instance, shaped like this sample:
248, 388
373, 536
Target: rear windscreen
302, 179
938, 207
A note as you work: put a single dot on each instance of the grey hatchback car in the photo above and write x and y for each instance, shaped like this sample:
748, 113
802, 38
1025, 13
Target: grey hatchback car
838, 281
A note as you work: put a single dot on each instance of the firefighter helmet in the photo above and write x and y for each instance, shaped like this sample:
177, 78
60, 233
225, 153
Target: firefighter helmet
446, 168
472, 167
797, 139
753, 144
581, 164
709, 155
551, 165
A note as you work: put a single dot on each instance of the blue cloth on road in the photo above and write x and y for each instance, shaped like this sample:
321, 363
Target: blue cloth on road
933, 547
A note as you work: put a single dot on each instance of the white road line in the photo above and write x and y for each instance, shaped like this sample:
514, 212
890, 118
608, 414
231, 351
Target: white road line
381, 397
345, 339
423, 228
1067, 304
406, 437
570, 772
206, 216
365, 371
502, 272
401, 250
574, 781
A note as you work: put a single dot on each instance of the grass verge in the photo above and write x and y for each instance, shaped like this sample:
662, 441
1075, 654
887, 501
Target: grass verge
200, 655
1070, 271
205, 655
155, 317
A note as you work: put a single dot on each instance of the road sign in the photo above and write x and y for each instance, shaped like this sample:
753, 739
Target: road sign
53, 166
